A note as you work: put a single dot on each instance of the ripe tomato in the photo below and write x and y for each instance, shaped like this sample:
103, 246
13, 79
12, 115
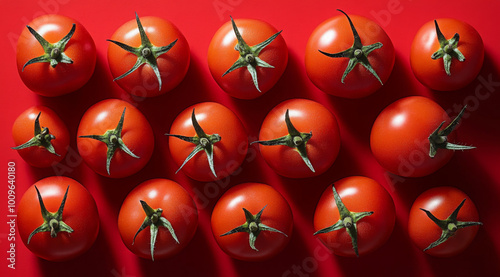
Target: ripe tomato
50, 141
431, 54
252, 222
364, 221
70, 224
115, 139
300, 155
215, 151
63, 58
445, 204
338, 63
257, 66
157, 219
159, 61
402, 134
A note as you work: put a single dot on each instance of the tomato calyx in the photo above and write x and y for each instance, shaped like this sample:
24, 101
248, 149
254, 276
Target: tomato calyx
294, 139
253, 226
347, 220
438, 139
147, 53
42, 138
202, 142
448, 49
113, 140
249, 55
54, 52
449, 226
357, 54
52, 222
154, 220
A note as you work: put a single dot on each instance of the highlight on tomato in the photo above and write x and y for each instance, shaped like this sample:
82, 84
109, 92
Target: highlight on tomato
354, 216
40, 136
58, 219
157, 219
55, 55
148, 56
247, 57
252, 222
350, 58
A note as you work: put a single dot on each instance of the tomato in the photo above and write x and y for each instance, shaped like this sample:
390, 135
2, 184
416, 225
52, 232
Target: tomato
452, 209
312, 146
115, 139
340, 64
59, 60
207, 141
363, 217
157, 219
70, 224
446, 54
412, 137
50, 141
151, 66
252, 222
248, 66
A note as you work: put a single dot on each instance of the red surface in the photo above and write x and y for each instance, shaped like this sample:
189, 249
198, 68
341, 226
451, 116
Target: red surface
475, 172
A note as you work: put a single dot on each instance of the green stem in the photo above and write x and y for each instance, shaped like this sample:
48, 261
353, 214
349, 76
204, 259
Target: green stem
42, 138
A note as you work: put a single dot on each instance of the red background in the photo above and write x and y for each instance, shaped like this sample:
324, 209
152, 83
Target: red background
475, 172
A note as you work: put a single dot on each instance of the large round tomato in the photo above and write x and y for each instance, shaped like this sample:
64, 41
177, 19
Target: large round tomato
44, 143
79, 213
334, 36
59, 71
359, 195
172, 65
222, 55
225, 138
252, 210
307, 117
442, 202
427, 56
172, 214
98, 135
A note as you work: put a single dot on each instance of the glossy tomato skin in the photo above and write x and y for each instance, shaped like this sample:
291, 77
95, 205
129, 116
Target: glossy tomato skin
64, 78
137, 134
80, 213
306, 116
23, 131
228, 214
334, 35
178, 208
229, 152
441, 202
431, 72
399, 137
359, 194
222, 55
172, 65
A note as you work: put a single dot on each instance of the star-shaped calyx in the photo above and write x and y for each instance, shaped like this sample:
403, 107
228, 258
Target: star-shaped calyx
448, 49
42, 138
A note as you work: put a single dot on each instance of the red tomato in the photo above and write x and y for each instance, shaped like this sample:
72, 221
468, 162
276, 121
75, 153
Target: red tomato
131, 149
400, 137
334, 36
431, 72
47, 77
307, 117
166, 199
229, 148
172, 65
441, 202
222, 55
273, 228
358, 194
79, 213
51, 135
